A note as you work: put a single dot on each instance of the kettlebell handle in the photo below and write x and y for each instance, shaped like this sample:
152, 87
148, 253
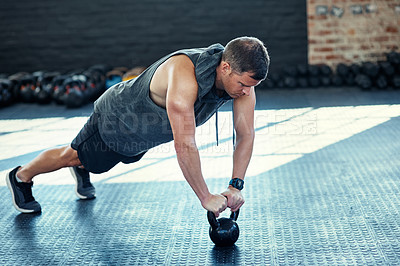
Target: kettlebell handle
235, 215
214, 222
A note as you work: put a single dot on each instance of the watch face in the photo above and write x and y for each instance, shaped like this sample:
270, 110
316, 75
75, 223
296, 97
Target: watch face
237, 183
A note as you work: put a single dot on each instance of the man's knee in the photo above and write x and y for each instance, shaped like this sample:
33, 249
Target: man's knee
70, 156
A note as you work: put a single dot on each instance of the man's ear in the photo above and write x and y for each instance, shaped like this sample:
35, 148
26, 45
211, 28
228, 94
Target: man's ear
226, 68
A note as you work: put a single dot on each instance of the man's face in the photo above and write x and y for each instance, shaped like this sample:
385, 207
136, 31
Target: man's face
237, 85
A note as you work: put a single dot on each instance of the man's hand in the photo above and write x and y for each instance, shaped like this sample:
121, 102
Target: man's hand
215, 203
235, 198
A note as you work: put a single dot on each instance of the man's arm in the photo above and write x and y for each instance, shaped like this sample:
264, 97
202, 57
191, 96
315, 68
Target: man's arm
181, 95
243, 115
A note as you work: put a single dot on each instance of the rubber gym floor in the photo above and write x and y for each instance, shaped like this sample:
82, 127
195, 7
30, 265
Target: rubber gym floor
322, 189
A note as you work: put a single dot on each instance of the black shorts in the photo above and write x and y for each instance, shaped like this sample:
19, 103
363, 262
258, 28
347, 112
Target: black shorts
93, 152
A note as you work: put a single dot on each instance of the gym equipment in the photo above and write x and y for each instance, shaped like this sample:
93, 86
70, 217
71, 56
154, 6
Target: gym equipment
355, 69
75, 91
223, 231
26, 88
43, 90
133, 73
302, 78
325, 74
302, 69
269, 84
342, 70
363, 81
58, 89
337, 80
387, 69
113, 77
290, 82
370, 69
325, 81
350, 80
325, 70
393, 58
290, 71
313, 70
302, 82
275, 77
396, 81
314, 81
381, 82
15, 81
95, 82
6, 96
280, 84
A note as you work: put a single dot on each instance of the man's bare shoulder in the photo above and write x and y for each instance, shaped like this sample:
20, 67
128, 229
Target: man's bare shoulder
182, 83
177, 67
177, 72
180, 62
181, 72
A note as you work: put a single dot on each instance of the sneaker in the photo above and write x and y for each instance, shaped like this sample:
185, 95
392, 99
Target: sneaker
21, 193
84, 189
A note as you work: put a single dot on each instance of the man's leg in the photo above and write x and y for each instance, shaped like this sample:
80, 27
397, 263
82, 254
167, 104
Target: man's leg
55, 159
19, 180
49, 161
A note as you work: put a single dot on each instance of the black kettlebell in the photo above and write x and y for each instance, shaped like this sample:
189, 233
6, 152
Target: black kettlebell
223, 231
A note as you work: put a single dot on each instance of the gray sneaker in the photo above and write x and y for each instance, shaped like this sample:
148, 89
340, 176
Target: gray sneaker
83, 189
21, 193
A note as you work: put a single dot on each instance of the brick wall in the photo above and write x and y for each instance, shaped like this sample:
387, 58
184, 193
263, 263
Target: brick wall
63, 35
352, 31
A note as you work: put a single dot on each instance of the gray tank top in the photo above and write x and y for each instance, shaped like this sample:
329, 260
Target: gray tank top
130, 122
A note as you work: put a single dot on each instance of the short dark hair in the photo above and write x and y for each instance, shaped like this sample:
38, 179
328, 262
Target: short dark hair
247, 54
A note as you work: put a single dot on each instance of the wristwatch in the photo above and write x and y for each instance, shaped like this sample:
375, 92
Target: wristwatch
237, 183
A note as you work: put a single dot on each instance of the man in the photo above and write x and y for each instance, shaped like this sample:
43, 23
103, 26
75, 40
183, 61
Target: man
166, 102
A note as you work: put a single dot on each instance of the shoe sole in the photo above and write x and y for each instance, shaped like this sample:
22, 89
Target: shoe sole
13, 196
76, 186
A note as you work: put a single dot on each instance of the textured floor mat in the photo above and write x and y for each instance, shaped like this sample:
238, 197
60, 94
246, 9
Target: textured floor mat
338, 204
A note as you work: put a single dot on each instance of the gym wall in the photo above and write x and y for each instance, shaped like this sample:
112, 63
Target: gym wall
352, 31
65, 35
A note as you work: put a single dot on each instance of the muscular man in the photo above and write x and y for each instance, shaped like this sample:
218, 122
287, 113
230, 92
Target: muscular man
166, 102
